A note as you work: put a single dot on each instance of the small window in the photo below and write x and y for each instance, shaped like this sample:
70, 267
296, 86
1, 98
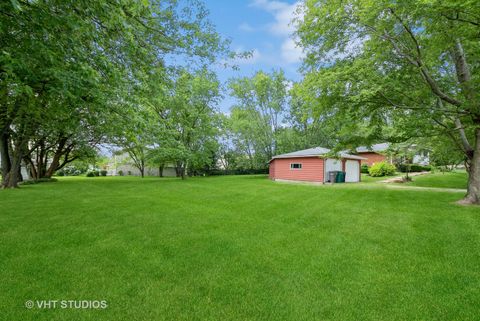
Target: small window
295, 166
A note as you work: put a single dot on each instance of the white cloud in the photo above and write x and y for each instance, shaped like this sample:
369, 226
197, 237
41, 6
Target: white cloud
283, 26
246, 27
269, 5
283, 13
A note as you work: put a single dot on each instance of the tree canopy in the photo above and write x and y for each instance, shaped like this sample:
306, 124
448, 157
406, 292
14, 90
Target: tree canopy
68, 69
395, 71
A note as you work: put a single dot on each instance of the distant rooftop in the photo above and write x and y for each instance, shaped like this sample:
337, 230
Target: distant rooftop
316, 151
374, 148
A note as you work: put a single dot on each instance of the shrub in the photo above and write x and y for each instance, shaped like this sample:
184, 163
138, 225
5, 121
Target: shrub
238, 171
364, 169
120, 173
103, 172
414, 168
90, 174
60, 173
71, 171
96, 173
129, 172
381, 169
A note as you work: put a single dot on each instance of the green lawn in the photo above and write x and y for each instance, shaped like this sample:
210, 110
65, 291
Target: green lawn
237, 248
445, 180
369, 179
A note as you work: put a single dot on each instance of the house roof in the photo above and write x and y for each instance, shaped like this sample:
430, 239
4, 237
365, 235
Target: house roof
316, 151
374, 148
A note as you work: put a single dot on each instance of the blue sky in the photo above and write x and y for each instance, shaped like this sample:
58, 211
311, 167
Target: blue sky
260, 26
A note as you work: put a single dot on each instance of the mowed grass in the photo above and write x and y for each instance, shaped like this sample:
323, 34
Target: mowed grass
370, 179
455, 179
237, 248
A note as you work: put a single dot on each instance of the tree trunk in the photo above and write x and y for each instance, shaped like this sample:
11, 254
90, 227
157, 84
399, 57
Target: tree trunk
182, 172
473, 189
5, 157
13, 176
160, 170
31, 167
19, 173
59, 152
178, 169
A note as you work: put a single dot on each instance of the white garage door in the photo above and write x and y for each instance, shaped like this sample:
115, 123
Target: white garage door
352, 169
332, 164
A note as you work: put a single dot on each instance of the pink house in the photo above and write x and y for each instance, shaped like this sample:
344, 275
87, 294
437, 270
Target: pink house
313, 165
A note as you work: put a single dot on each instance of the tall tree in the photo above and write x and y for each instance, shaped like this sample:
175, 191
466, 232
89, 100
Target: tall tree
261, 103
72, 57
396, 70
187, 118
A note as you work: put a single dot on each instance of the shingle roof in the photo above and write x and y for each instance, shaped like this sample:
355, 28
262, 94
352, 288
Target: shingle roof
375, 148
317, 151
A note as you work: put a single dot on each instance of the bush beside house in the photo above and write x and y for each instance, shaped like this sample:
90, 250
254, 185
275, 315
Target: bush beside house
381, 169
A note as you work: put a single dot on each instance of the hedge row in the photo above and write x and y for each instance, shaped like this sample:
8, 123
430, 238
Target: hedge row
217, 172
414, 168
385, 169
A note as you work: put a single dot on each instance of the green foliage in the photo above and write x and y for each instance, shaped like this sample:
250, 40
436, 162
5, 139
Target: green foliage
413, 168
103, 172
70, 71
71, 170
381, 169
444, 153
393, 71
187, 123
90, 174
120, 173
364, 169
256, 117
238, 171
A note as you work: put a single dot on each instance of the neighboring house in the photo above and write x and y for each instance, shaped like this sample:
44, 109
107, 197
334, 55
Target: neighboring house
124, 164
377, 153
374, 154
422, 158
313, 165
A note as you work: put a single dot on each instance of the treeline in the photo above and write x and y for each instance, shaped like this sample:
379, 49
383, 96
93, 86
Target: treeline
76, 74
184, 127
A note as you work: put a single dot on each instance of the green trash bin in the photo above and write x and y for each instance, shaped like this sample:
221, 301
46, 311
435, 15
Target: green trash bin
340, 177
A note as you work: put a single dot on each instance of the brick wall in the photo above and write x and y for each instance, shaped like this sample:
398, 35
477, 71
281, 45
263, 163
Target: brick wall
372, 158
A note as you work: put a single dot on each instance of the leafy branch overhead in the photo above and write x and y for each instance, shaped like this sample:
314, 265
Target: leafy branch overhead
396, 71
